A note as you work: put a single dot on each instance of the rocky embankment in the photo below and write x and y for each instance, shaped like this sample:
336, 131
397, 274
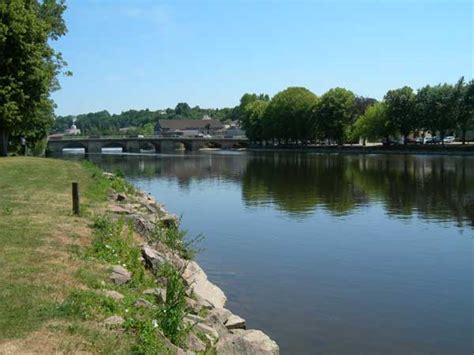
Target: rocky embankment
206, 312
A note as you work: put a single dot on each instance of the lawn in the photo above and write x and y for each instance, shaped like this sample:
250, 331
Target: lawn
39, 240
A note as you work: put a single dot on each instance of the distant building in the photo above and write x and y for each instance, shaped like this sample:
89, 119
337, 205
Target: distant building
73, 131
189, 127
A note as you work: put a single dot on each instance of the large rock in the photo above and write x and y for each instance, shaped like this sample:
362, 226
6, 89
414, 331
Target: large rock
158, 292
235, 322
117, 296
197, 280
152, 258
247, 342
120, 275
193, 343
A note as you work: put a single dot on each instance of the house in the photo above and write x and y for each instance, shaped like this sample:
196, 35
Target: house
189, 127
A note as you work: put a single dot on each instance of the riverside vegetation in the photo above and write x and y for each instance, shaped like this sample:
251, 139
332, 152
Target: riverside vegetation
119, 278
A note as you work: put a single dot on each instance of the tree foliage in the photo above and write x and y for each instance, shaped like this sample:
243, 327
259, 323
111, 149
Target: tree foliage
401, 109
334, 113
29, 67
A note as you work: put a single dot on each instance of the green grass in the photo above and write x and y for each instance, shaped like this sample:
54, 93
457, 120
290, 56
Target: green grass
35, 208
54, 266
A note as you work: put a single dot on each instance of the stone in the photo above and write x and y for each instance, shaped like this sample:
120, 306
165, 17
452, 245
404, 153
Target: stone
193, 343
121, 197
235, 322
247, 342
197, 280
118, 209
152, 258
114, 320
169, 220
141, 302
117, 296
158, 292
108, 175
120, 275
193, 306
201, 326
195, 318
221, 314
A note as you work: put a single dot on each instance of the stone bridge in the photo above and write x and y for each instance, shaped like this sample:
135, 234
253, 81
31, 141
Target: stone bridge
136, 145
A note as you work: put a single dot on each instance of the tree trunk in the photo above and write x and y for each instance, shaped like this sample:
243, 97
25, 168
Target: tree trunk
464, 136
3, 142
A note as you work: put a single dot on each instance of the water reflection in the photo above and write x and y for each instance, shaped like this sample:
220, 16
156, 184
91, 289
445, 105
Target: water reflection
431, 187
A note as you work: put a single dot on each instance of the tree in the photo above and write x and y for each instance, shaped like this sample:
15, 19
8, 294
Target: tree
464, 107
253, 120
289, 114
334, 113
401, 110
374, 124
182, 109
436, 108
29, 66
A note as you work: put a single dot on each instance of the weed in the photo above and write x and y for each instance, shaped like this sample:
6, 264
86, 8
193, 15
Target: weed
7, 211
175, 239
173, 311
113, 244
86, 304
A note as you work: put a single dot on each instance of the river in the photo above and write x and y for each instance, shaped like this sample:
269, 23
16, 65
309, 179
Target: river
329, 253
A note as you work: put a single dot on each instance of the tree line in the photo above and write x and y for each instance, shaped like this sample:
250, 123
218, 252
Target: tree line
298, 116
138, 121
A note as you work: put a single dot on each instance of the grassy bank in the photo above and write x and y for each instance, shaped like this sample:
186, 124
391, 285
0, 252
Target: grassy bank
54, 266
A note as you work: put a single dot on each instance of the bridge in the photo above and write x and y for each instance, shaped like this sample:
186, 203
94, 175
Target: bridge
147, 143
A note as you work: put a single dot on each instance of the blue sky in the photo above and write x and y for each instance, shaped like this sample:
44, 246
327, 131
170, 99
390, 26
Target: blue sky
136, 54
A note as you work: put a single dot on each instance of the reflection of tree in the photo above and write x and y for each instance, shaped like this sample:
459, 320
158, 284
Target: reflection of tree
440, 187
298, 183
433, 187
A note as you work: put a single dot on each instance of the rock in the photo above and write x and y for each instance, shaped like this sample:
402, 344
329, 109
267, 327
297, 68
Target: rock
158, 292
214, 319
121, 197
141, 302
114, 320
117, 296
195, 318
193, 305
193, 343
169, 220
120, 275
201, 326
174, 349
152, 258
249, 342
197, 280
108, 175
221, 314
118, 209
235, 322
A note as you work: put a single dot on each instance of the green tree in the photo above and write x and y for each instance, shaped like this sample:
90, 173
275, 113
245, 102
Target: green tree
289, 115
334, 113
436, 107
253, 120
374, 124
401, 110
29, 67
464, 107
183, 109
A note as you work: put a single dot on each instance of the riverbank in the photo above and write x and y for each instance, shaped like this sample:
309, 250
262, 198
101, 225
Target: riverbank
118, 278
454, 149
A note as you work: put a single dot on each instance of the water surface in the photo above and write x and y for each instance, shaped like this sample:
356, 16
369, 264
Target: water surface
328, 253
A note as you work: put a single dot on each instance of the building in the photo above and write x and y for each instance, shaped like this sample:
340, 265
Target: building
189, 127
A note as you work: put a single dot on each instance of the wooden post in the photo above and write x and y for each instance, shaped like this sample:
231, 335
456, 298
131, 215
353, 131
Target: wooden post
75, 198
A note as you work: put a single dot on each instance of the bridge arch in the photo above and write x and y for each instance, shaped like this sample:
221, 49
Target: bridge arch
74, 148
149, 146
113, 145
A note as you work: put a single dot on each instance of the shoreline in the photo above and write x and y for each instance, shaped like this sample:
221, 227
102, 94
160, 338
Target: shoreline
412, 150
227, 331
